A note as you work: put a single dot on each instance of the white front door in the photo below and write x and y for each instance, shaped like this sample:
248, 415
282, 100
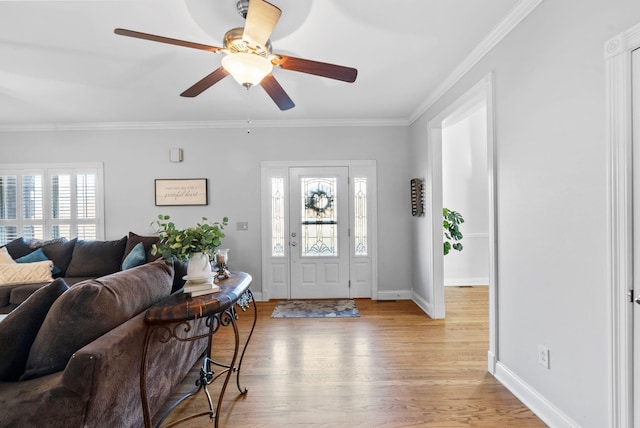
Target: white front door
319, 232
635, 67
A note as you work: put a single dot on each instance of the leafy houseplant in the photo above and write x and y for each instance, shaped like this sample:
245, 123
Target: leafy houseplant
451, 221
181, 243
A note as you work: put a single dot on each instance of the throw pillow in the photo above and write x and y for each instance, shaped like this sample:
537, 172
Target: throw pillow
19, 329
38, 256
18, 248
26, 273
147, 241
5, 257
136, 257
59, 251
96, 258
92, 308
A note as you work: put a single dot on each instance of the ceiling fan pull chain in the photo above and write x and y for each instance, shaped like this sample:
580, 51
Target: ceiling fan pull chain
248, 112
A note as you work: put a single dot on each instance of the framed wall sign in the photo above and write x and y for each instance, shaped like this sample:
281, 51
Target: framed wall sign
187, 191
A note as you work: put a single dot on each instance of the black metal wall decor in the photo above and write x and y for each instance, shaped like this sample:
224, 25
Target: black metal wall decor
417, 197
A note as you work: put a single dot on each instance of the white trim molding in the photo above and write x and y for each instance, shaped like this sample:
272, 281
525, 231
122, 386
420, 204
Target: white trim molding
620, 224
535, 401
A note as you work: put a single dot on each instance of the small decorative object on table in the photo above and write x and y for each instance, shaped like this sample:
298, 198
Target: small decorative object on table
222, 257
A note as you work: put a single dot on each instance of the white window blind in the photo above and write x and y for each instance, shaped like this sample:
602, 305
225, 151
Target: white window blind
54, 202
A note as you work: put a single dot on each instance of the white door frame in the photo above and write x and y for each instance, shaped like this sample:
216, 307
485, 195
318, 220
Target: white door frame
620, 225
481, 90
363, 270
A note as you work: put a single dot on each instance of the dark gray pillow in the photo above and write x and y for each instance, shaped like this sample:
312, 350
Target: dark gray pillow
96, 258
60, 252
19, 329
18, 248
92, 308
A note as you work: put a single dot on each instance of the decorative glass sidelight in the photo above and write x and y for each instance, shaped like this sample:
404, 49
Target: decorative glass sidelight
277, 217
319, 221
360, 213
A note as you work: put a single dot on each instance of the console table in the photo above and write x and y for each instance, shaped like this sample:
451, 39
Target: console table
219, 310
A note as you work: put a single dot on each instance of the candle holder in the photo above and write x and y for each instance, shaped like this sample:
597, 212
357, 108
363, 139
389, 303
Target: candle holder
221, 258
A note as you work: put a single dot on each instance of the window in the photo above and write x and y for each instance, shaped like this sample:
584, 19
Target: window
360, 214
45, 202
277, 217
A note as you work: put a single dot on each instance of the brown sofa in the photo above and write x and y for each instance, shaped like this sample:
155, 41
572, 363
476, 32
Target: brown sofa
70, 356
77, 260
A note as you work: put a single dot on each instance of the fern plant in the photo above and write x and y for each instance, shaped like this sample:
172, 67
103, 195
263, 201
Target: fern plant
451, 222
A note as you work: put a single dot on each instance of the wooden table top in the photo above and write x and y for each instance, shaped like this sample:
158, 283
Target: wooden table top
181, 307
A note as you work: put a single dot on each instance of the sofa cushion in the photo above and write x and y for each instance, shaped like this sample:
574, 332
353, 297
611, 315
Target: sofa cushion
96, 258
136, 257
26, 273
5, 257
19, 329
18, 248
59, 252
39, 256
92, 308
147, 242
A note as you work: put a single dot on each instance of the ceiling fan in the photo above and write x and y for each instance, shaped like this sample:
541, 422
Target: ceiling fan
248, 55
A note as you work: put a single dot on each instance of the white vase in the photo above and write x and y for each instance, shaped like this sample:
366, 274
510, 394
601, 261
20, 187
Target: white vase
199, 267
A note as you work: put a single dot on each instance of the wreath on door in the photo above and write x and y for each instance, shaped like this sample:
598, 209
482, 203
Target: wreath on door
318, 201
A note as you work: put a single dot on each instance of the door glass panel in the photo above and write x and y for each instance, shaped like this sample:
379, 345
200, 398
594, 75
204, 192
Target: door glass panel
360, 210
319, 222
277, 217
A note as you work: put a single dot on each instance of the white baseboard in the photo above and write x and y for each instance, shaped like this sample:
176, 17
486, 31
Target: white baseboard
466, 281
539, 405
491, 362
423, 304
394, 295
257, 296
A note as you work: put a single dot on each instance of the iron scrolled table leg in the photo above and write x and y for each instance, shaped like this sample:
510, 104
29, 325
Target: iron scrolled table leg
244, 302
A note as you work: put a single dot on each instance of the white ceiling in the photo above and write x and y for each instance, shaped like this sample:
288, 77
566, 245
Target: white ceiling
61, 63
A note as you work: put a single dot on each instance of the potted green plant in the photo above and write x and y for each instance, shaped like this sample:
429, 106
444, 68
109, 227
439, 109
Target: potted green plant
451, 222
183, 243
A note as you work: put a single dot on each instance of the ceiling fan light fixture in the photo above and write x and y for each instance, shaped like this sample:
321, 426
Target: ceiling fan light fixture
246, 68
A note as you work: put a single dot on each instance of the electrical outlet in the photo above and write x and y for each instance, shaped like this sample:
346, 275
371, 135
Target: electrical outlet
543, 356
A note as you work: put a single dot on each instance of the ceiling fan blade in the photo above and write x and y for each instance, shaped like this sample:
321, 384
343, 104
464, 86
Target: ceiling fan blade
277, 94
161, 39
262, 18
323, 69
205, 83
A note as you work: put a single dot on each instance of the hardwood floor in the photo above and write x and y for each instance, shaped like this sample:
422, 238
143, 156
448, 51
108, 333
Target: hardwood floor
391, 367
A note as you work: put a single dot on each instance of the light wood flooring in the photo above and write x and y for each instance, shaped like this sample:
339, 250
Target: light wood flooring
391, 367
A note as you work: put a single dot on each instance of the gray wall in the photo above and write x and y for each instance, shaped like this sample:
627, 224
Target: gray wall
551, 183
230, 159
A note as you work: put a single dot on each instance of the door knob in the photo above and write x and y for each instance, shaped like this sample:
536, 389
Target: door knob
293, 244
638, 300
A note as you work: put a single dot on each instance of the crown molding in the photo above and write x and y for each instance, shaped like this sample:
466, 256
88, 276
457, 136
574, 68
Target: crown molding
127, 126
499, 32
515, 16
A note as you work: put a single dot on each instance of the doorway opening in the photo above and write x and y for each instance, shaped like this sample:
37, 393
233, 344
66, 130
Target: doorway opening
479, 94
